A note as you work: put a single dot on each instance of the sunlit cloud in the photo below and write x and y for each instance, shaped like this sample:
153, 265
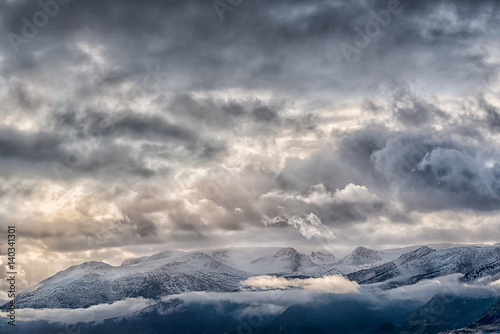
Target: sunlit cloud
329, 284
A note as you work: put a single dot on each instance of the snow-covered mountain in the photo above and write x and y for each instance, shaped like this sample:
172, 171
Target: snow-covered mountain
425, 263
166, 273
322, 257
363, 258
223, 270
268, 261
94, 283
491, 268
389, 269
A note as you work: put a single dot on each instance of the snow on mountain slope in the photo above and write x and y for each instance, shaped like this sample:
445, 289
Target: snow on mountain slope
360, 256
390, 269
157, 256
447, 261
274, 261
223, 270
322, 258
243, 258
491, 268
363, 258
164, 273
284, 261
425, 263
94, 283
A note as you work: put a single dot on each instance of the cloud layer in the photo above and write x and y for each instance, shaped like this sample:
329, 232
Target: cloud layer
129, 128
93, 313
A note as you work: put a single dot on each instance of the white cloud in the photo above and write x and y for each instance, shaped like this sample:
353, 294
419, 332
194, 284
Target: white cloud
319, 195
93, 313
310, 226
335, 284
425, 290
354, 193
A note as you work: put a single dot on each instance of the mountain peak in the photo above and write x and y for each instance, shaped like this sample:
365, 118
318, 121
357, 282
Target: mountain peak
360, 256
362, 249
222, 270
157, 256
286, 252
417, 253
90, 265
365, 252
322, 257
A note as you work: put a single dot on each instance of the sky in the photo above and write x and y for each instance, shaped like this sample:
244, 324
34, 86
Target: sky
131, 127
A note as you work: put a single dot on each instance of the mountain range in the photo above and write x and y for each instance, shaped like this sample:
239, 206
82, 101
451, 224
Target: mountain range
175, 272
222, 270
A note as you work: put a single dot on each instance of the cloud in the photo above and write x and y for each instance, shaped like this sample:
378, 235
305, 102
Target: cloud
309, 226
447, 285
90, 314
449, 172
331, 284
328, 284
351, 203
276, 294
320, 196
258, 302
281, 298
264, 111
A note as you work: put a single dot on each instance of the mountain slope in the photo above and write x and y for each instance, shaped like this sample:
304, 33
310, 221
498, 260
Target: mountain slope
447, 312
363, 258
166, 273
489, 323
322, 257
426, 263
94, 283
223, 270
390, 269
491, 268
270, 261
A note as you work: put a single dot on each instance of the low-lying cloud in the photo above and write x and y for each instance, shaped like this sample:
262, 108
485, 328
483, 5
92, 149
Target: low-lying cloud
446, 285
275, 295
335, 284
92, 313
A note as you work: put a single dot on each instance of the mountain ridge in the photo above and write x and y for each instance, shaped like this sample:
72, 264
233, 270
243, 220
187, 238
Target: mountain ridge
223, 270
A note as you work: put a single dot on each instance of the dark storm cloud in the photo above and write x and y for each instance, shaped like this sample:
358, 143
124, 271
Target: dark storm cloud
431, 169
262, 45
492, 112
143, 227
435, 174
139, 92
23, 98
352, 204
414, 112
143, 126
29, 147
249, 116
36, 151
350, 162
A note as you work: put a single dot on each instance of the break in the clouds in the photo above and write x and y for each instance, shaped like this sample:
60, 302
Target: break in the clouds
131, 127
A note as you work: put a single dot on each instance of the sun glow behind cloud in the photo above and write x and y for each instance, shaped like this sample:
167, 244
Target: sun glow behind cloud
335, 284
